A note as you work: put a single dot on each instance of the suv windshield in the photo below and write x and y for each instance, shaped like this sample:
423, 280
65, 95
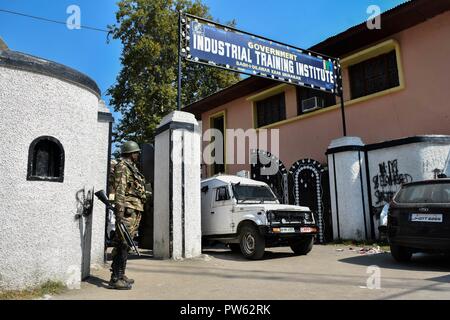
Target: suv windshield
424, 193
255, 193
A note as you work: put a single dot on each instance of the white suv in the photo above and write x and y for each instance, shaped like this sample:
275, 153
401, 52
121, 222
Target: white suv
246, 215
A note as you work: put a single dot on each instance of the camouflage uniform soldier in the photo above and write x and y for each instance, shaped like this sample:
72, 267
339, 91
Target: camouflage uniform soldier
130, 196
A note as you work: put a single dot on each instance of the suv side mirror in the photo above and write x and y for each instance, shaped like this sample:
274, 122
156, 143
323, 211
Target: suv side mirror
205, 189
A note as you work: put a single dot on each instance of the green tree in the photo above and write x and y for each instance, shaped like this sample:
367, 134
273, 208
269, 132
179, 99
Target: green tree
146, 87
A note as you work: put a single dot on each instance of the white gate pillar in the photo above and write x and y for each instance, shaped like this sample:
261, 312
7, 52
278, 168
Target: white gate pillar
348, 189
177, 224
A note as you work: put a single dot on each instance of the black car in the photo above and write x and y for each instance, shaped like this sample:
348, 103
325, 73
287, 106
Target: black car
419, 219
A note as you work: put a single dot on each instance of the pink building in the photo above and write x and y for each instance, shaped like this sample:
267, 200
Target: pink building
396, 85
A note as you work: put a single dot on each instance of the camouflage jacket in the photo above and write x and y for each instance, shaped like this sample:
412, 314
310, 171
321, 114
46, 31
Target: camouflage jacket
129, 186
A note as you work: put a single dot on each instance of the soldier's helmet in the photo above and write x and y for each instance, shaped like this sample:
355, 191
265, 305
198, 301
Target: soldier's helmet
130, 147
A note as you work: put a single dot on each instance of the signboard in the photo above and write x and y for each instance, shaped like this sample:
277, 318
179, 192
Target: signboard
213, 44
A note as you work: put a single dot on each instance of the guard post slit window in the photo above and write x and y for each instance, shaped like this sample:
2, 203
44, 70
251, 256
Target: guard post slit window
271, 110
374, 75
46, 160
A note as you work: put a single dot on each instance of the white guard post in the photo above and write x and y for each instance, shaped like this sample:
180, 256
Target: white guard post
177, 224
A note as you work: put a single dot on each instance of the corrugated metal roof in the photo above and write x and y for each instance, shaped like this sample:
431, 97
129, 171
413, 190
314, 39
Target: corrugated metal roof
397, 19
362, 23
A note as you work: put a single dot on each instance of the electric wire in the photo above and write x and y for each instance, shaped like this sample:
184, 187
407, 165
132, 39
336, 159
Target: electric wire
50, 20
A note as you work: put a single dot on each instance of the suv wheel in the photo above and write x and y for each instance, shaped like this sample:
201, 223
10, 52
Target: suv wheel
302, 247
401, 254
252, 243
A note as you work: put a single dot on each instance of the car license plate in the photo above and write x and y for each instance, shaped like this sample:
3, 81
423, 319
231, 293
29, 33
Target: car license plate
287, 230
426, 217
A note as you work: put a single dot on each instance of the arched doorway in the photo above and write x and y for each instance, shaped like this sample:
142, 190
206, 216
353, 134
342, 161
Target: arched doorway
307, 189
279, 181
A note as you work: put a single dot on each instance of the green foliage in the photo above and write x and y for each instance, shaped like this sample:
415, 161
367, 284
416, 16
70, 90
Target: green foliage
50, 287
146, 87
361, 243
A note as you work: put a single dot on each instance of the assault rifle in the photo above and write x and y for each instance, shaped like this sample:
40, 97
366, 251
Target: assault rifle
121, 228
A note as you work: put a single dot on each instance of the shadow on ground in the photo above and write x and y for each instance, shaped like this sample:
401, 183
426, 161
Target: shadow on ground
226, 254
419, 262
145, 254
97, 282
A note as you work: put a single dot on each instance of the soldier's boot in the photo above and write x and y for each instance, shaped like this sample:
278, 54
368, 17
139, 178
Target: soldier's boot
127, 280
116, 281
124, 277
119, 284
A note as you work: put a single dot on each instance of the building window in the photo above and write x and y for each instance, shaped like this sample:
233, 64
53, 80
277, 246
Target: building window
271, 110
374, 75
46, 160
310, 100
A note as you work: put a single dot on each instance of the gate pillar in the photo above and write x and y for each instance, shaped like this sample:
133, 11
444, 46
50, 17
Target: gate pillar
177, 225
348, 189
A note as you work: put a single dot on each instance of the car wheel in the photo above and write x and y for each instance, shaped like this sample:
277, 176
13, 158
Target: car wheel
302, 247
401, 254
235, 247
251, 243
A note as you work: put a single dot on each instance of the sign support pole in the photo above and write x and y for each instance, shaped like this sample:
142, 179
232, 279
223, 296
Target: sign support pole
179, 62
341, 97
344, 127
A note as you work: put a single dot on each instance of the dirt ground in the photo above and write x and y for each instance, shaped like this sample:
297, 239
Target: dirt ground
328, 272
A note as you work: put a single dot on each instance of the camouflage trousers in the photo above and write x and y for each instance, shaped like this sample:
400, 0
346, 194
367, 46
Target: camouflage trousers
119, 254
131, 220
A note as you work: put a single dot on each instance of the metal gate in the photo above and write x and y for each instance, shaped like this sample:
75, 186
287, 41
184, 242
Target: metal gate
307, 190
279, 181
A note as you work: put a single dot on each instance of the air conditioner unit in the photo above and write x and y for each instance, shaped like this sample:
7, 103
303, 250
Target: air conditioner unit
312, 104
243, 174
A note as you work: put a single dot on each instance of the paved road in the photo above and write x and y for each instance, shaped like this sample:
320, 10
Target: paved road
325, 273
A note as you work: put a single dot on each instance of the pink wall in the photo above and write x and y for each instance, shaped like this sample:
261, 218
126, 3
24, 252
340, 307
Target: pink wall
423, 107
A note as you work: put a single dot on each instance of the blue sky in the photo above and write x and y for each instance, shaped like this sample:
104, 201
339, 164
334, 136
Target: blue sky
300, 23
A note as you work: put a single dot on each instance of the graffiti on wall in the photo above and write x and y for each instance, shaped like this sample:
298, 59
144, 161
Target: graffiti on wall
433, 166
85, 205
387, 181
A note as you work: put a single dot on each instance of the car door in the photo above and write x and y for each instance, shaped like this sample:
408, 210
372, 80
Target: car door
221, 211
207, 203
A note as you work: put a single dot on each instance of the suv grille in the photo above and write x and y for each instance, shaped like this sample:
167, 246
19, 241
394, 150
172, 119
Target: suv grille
289, 217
